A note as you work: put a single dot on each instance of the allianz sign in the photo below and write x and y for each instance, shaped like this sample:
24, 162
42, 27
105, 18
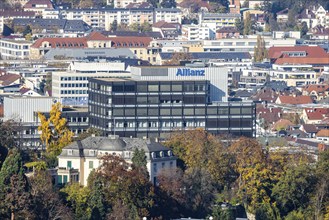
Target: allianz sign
189, 72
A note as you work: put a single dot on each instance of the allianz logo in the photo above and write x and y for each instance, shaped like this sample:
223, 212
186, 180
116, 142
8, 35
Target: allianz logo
189, 72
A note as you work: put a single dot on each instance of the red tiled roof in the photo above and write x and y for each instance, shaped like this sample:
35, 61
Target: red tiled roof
59, 42
295, 100
314, 115
311, 51
8, 79
270, 115
97, 36
33, 3
130, 42
323, 133
24, 90
317, 88
282, 123
303, 60
164, 24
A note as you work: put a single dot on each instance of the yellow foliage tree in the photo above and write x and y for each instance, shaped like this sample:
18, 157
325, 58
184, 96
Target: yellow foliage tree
55, 134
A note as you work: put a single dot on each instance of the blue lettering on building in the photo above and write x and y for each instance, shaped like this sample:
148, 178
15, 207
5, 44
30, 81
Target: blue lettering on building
189, 72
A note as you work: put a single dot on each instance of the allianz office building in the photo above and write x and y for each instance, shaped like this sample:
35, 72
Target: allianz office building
159, 100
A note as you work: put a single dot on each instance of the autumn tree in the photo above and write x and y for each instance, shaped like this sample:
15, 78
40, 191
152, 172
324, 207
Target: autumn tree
178, 57
114, 25
198, 148
260, 51
247, 25
55, 133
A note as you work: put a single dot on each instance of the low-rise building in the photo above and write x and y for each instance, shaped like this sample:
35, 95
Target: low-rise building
293, 100
317, 91
227, 32
14, 49
78, 159
215, 21
197, 32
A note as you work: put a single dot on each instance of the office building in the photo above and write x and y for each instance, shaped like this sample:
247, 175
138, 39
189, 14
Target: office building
158, 100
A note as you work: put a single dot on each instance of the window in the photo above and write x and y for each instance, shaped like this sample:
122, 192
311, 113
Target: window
91, 164
65, 179
69, 164
69, 152
59, 179
91, 153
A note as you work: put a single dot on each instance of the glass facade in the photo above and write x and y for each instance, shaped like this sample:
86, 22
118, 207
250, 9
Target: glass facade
154, 108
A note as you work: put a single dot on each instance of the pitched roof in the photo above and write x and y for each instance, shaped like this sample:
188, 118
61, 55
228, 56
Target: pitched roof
323, 133
8, 79
59, 42
96, 36
303, 60
227, 30
130, 42
310, 128
317, 88
295, 100
139, 5
164, 24
282, 124
270, 115
311, 51
35, 3
283, 12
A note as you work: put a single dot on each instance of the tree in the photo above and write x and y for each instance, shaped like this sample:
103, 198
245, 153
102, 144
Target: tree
135, 27
304, 30
178, 57
55, 134
239, 25
86, 4
45, 199
14, 188
247, 25
114, 25
77, 197
294, 188
27, 31
145, 27
96, 202
139, 161
90, 132
260, 51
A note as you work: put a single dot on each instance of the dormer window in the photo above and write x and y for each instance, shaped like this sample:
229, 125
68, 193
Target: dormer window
70, 152
161, 154
153, 155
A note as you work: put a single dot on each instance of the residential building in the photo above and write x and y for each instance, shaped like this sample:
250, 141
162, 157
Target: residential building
6, 16
294, 75
253, 77
38, 6
293, 100
180, 46
282, 16
227, 32
78, 159
323, 136
125, 3
317, 91
244, 44
159, 100
51, 26
215, 21
234, 6
197, 32
168, 30
170, 15
314, 115
14, 49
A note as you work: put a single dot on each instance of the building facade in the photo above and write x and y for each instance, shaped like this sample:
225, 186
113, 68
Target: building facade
78, 159
14, 49
159, 100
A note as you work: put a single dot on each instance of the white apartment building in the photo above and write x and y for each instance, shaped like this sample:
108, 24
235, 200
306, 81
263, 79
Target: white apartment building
244, 44
77, 160
216, 21
196, 32
170, 15
294, 75
71, 86
2, 23
253, 77
14, 49
124, 3
103, 18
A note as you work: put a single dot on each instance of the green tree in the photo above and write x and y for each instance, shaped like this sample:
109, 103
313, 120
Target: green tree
45, 199
27, 31
294, 188
114, 25
14, 188
145, 27
239, 25
178, 57
96, 202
